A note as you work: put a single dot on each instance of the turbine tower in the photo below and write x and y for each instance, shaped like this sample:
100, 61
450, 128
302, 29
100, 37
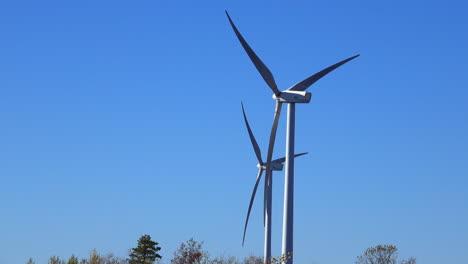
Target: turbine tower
269, 167
295, 94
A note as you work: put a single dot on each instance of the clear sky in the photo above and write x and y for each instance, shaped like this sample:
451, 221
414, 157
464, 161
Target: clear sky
120, 118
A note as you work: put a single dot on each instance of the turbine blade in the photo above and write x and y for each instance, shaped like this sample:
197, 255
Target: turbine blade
261, 67
306, 83
259, 176
271, 145
252, 138
274, 128
281, 160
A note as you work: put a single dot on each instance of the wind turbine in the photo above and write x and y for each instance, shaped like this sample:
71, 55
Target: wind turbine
274, 165
291, 96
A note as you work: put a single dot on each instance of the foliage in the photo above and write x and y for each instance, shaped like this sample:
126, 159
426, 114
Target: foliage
73, 260
190, 252
112, 259
55, 260
95, 258
409, 261
248, 260
225, 260
382, 254
253, 260
145, 252
281, 259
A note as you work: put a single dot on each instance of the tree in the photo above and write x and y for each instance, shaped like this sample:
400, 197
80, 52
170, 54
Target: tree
409, 261
253, 260
190, 252
95, 258
112, 259
30, 261
382, 254
55, 260
225, 260
145, 252
73, 260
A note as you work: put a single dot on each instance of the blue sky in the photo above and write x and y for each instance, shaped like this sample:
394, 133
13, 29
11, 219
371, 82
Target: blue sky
122, 118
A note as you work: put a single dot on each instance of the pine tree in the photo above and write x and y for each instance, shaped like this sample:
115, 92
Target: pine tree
145, 252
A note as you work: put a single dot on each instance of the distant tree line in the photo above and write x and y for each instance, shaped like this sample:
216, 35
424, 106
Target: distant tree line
192, 252
147, 252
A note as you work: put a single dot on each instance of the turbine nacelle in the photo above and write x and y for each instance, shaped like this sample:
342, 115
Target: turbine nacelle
300, 97
275, 166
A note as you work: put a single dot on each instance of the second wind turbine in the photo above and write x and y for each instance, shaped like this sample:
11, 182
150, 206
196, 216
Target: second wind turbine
268, 167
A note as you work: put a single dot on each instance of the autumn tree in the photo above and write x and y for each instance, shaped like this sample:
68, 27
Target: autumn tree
112, 259
190, 252
95, 258
55, 260
73, 260
253, 260
146, 252
409, 261
225, 260
382, 254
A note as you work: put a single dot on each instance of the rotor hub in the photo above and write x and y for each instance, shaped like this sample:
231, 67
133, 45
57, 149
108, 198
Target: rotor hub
274, 166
